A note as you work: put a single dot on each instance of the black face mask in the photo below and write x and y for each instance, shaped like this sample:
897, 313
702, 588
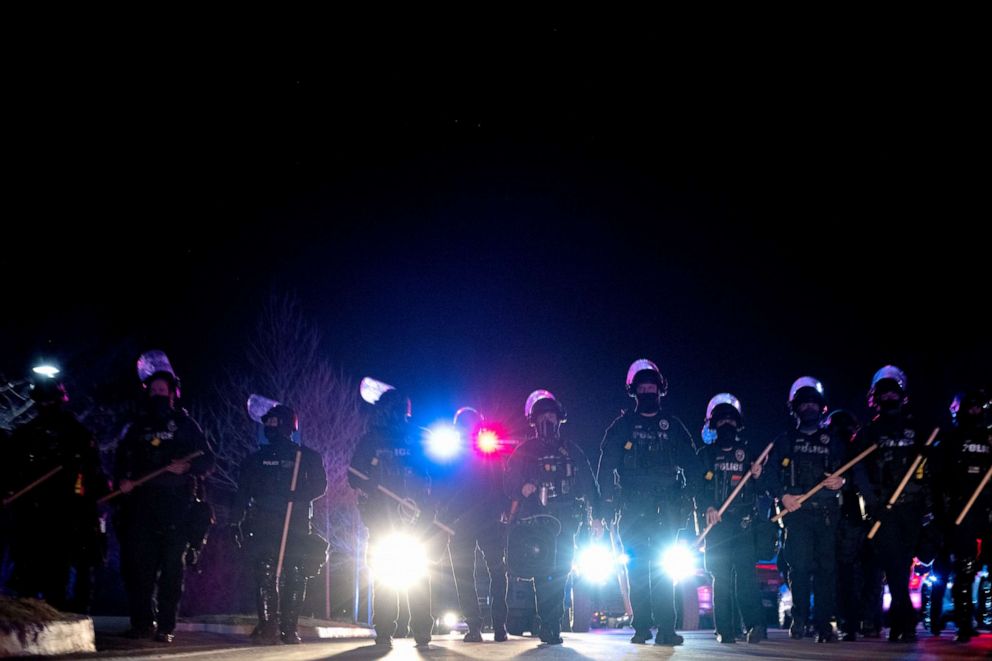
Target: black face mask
547, 431
648, 402
159, 405
808, 418
889, 406
276, 435
726, 435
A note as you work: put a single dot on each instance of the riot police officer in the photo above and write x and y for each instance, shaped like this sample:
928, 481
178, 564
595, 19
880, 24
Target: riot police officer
554, 492
649, 472
265, 488
965, 456
731, 545
153, 518
387, 456
877, 477
58, 531
801, 458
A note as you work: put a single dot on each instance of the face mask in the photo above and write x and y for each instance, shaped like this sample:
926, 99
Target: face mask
809, 417
547, 430
890, 406
648, 402
726, 435
159, 405
275, 435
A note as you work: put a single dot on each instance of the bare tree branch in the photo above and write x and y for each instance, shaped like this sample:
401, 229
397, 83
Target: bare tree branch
284, 362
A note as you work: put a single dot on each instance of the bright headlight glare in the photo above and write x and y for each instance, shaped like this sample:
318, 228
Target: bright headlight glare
398, 561
678, 562
597, 564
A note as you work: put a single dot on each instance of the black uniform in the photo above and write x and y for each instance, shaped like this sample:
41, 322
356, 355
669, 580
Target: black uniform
153, 519
731, 545
474, 505
859, 576
649, 470
57, 529
566, 490
263, 494
798, 462
389, 458
964, 457
876, 478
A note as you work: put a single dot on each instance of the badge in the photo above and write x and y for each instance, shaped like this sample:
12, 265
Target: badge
785, 462
156, 442
709, 475
172, 426
628, 445
825, 439
663, 425
739, 454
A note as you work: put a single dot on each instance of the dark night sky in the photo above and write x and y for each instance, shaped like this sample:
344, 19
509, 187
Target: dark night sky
480, 210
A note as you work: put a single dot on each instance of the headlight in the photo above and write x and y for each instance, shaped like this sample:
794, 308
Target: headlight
678, 562
596, 563
398, 561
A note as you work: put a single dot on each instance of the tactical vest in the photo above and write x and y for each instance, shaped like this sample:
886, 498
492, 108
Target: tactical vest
649, 465
807, 461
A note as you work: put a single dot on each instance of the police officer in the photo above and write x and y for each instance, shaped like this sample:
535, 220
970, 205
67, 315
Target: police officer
965, 455
731, 545
474, 505
554, 492
649, 472
388, 456
265, 488
800, 459
877, 477
153, 517
57, 531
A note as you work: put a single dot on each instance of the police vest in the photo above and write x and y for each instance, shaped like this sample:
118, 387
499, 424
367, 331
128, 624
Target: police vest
897, 449
555, 474
970, 458
724, 474
808, 459
649, 462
